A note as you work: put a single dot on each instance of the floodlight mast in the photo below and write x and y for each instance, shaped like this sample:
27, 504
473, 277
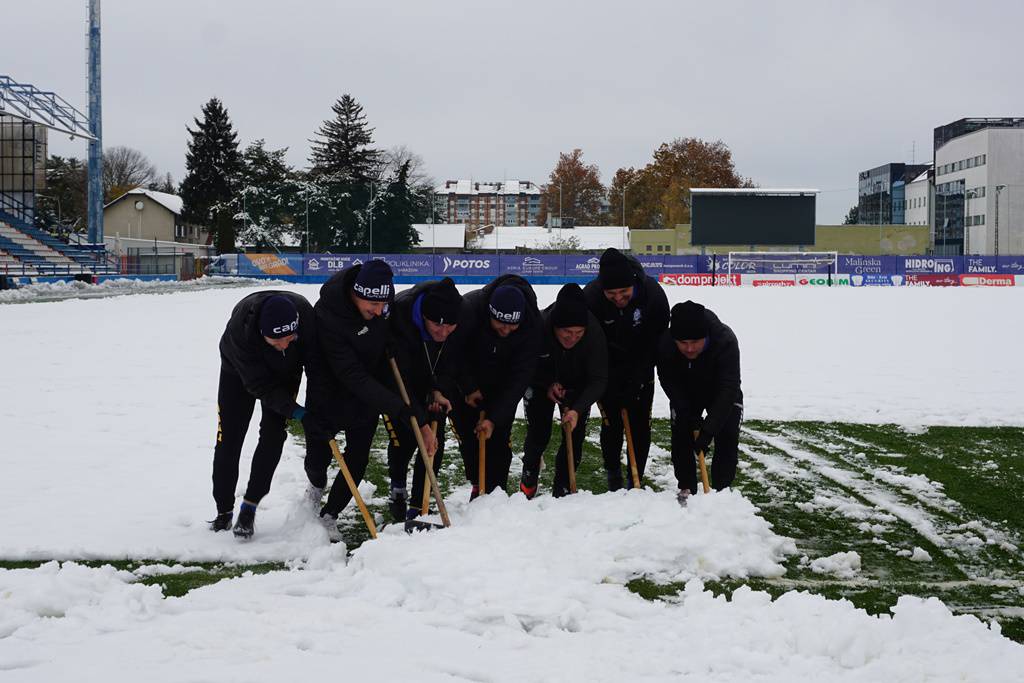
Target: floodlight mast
95, 128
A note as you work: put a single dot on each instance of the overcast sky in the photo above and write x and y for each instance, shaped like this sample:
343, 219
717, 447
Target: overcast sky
806, 94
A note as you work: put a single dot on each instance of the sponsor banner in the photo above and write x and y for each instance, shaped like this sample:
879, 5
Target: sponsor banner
986, 280
699, 279
408, 264
931, 280
540, 264
692, 263
465, 264
980, 264
653, 265
875, 280
1011, 265
769, 280
936, 265
269, 264
328, 264
868, 265
741, 266
821, 280
582, 265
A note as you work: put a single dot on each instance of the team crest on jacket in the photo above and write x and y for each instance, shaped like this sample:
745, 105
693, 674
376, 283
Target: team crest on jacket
637, 315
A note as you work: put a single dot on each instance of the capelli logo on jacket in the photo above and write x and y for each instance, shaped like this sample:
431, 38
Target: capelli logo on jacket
381, 292
508, 318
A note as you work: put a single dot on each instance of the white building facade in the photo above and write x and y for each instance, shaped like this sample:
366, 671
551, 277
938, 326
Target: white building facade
919, 200
979, 187
508, 203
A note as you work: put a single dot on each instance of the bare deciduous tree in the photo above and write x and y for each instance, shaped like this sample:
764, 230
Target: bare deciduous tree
125, 168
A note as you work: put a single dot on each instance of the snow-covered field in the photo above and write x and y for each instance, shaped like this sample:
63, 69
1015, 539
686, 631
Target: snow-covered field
108, 418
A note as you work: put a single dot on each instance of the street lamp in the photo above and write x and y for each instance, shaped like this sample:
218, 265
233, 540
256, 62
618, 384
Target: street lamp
626, 185
999, 188
968, 196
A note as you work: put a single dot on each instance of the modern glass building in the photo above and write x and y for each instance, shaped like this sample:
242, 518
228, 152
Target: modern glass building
881, 192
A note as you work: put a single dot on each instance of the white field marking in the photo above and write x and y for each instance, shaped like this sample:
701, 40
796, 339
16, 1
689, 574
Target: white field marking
930, 494
918, 520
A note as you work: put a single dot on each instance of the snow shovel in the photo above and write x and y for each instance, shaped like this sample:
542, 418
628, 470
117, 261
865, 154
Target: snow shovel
482, 459
629, 449
425, 505
367, 517
703, 466
427, 466
570, 459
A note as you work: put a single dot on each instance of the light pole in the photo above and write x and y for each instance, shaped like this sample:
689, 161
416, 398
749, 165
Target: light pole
999, 188
626, 185
371, 218
968, 196
307, 222
878, 186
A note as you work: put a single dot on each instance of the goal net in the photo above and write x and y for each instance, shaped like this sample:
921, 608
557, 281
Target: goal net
782, 262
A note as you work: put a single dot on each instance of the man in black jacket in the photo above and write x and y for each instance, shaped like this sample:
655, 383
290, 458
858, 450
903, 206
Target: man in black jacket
572, 373
262, 352
699, 369
633, 312
345, 392
501, 328
423, 320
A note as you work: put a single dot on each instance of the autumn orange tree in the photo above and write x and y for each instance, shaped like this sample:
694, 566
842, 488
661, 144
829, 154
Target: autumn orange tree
658, 195
581, 190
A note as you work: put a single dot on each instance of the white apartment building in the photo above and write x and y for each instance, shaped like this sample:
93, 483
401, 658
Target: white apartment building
979, 187
510, 202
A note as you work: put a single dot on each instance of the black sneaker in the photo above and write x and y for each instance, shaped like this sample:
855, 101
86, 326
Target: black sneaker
614, 481
245, 526
683, 497
222, 522
528, 484
397, 505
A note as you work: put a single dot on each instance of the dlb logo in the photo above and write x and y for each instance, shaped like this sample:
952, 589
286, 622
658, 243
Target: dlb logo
465, 263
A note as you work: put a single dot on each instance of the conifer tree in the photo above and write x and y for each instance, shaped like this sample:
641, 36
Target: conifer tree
212, 165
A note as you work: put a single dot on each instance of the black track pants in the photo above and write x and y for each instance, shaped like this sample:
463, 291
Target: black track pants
499, 447
401, 449
356, 451
612, 435
235, 406
539, 413
724, 452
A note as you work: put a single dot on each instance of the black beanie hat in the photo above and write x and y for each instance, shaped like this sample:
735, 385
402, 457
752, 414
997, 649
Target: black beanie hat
615, 270
373, 281
441, 303
688, 321
507, 305
570, 309
278, 317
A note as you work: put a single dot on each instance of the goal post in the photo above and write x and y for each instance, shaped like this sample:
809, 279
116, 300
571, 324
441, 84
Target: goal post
782, 263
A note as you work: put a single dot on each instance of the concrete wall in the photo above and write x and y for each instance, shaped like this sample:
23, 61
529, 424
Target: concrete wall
846, 239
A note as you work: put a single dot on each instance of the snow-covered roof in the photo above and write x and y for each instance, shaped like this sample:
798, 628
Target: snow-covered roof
441, 235
475, 187
589, 236
920, 178
171, 202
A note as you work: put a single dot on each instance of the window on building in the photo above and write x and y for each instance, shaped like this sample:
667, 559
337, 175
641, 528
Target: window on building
648, 247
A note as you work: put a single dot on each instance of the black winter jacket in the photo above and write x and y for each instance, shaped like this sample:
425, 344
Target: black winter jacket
710, 382
633, 332
425, 365
345, 386
268, 374
582, 370
501, 368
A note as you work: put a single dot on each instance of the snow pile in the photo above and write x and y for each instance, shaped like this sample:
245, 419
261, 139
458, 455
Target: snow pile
53, 590
364, 619
844, 565
71, 289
